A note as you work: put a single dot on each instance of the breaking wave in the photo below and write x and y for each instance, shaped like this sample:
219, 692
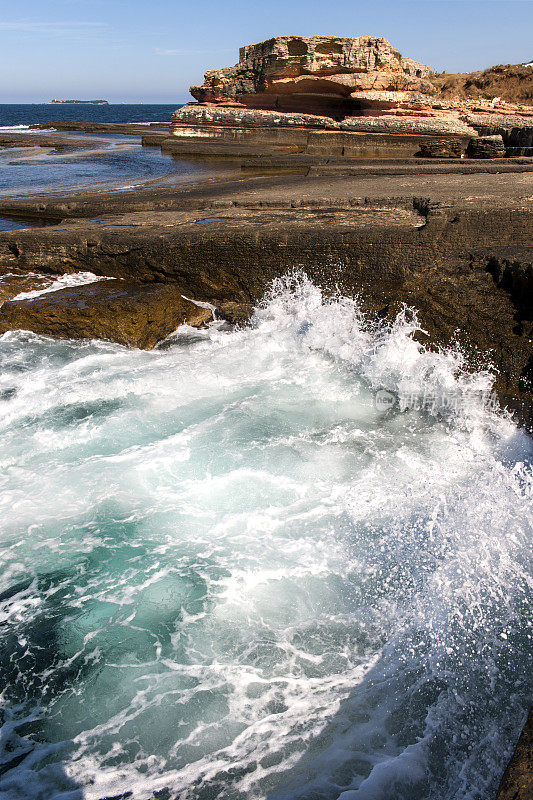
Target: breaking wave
229, 572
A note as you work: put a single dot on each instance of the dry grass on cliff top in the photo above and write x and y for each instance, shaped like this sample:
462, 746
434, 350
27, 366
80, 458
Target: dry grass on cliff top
511, 82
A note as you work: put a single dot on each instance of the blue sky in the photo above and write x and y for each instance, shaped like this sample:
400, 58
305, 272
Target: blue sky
153, 50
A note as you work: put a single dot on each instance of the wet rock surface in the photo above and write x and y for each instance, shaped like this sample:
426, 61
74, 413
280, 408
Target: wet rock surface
517, 781
40, 140
456, 247
129, 313
102, 127
13, 284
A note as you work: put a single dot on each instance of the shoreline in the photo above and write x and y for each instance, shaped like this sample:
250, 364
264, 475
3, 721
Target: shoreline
37, 162
374, 220
457, 247
451, 239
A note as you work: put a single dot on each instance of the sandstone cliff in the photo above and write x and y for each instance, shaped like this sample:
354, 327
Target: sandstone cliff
316, 73
358, 84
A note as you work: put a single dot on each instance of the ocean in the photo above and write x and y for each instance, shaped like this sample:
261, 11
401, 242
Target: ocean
286, 561
39, 114
109, 162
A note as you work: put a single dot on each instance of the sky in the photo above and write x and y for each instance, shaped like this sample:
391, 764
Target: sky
151, 51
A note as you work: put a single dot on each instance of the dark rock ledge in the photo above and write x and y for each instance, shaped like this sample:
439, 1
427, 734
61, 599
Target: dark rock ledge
517, 781
125, 312
456, 247
15, 140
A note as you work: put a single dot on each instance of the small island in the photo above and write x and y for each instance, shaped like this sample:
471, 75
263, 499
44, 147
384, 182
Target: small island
79, 102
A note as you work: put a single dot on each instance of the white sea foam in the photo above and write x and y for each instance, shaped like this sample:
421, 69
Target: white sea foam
226, 573
62, 282
14, 128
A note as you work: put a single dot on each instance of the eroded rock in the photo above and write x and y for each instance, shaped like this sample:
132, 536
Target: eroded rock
13, 284
486, 147
235, 313
292, 56
441, 148
198, 121
307, 73
326, 81
133, 314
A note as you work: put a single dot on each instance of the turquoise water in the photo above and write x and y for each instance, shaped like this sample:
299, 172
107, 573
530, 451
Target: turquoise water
227, 574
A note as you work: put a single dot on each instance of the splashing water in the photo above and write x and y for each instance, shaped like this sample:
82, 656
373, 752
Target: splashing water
227, 574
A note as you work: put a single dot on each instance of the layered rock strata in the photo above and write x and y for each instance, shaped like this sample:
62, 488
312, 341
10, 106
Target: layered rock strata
486, 147
321, 75
358, 84
199, 115
230, 130
322, 66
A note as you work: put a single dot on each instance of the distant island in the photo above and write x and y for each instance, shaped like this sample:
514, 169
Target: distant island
79, 102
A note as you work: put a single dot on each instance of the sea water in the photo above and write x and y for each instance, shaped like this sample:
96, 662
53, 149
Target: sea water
106, 162
229, 570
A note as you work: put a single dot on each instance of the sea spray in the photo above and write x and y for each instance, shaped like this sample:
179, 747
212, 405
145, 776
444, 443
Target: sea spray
226, 572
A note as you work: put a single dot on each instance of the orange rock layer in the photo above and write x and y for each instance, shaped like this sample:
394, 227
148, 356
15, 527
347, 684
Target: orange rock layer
340, 80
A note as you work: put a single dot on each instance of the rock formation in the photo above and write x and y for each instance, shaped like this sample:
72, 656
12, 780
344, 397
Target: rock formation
358, 84
318, 74
486, 147
129, 313
441, 148
242, 117
13, 284
517, 782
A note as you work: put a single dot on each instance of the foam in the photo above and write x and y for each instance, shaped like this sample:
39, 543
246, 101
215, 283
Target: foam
62, 282
227, 573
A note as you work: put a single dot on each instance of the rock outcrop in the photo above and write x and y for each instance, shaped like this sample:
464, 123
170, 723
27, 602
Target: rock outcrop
517, 782
360, 84
13, 284
41, 140
129, 313
486, 147
440, 148
241, 117
319, 74
325, 69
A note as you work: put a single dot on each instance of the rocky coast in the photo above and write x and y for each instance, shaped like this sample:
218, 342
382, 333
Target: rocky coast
345, 160
455, 246
341, 158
